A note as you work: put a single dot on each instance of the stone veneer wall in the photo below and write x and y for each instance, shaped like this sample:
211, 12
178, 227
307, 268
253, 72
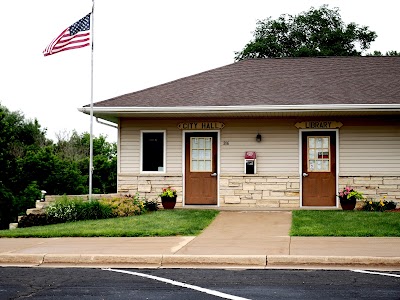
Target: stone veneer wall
260, 191
374, 187
151, 186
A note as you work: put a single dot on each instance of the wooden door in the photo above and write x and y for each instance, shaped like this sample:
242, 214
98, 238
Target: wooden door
201, 168
319, 168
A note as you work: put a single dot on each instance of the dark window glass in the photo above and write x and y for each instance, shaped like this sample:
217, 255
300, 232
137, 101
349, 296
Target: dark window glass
153, 151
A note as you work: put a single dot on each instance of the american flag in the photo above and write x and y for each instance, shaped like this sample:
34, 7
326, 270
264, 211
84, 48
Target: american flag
75, 36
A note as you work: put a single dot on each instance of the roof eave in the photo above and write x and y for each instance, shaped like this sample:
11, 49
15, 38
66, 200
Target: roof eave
245, 108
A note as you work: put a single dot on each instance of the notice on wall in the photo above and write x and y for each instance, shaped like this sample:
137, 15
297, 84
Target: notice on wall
319, 125
201, 125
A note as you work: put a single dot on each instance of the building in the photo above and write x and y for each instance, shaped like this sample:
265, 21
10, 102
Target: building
268, 133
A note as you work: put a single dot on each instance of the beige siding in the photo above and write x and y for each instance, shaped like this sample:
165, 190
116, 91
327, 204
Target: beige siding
369, 149
129, 148
130, 144
277, 153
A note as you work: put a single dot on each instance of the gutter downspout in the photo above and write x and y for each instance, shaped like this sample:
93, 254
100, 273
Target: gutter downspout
110, 125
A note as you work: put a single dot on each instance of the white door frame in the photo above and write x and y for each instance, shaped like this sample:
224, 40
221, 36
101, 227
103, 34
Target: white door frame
301, 166
184, 162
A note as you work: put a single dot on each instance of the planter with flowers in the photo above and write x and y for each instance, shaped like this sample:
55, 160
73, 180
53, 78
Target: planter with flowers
348, 198
168, 198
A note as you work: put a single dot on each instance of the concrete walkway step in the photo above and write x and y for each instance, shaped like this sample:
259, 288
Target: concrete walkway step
243, 232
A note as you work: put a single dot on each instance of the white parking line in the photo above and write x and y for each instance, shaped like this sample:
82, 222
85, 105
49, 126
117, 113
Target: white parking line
177, 283
376, 273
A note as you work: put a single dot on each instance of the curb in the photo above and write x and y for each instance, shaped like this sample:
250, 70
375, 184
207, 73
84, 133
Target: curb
196, 261
209, 261
332, 261
149, 261
21, 259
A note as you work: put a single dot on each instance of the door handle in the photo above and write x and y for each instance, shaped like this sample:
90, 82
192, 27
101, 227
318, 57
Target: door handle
214, 174
305, 174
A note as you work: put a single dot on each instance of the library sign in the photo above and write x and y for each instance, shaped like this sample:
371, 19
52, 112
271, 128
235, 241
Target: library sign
319, 125
201, 125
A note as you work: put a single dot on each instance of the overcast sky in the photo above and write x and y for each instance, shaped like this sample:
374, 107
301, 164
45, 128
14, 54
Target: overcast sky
139, 44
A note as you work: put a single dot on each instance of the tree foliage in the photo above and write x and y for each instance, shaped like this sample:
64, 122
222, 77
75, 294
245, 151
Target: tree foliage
388, 53
30, 163
317, 32
17, 137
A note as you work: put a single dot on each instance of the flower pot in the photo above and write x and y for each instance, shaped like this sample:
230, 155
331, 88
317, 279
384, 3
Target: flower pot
168, 202
348, 204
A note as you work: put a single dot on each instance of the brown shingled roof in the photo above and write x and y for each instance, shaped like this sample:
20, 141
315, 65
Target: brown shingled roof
284, 81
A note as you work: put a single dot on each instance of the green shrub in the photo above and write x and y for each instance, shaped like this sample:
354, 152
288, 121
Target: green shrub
64, 209
151, 205
380, 205
37, 220
68, 210
27, 198
126, 206
93, 210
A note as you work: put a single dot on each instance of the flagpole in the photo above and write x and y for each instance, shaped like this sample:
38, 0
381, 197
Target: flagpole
91, 108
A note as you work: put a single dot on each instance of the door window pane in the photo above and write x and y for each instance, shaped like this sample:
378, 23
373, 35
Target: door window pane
201, 160
208, 154
201, 165
311, 154
319, 142
325, 142
311, 142
208, 143
318, 153
311, 165
201, 154
201, 143
153, 151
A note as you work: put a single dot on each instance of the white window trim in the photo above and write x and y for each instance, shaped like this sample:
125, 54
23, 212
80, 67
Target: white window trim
164, 152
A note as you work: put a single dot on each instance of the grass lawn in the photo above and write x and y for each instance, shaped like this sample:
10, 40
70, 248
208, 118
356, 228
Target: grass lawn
345, 223
160, 223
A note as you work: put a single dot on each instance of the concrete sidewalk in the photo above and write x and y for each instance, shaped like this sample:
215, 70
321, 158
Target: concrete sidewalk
239, 239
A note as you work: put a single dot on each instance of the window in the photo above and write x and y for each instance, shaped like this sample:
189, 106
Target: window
318, 154
201, 147
153, 151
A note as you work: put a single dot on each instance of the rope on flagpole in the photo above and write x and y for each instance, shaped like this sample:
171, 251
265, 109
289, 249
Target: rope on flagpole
91, 108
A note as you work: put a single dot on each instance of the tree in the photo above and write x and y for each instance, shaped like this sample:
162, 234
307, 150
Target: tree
69, 146
393, 53
29, 163
317, 32
76, 149
17, 137
388, 53
104, 164
55, 175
